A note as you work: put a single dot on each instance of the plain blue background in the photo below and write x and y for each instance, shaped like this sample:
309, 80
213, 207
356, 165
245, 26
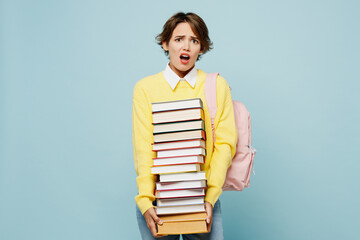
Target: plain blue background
67, 71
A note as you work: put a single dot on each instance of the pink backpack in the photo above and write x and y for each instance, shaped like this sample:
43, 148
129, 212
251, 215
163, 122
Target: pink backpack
238, 174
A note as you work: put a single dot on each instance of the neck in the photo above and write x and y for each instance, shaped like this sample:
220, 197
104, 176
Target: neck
181, 74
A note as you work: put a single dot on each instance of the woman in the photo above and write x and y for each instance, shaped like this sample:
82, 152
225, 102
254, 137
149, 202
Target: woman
184, 39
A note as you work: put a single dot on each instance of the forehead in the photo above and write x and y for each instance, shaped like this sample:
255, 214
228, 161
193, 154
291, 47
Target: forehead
183, 28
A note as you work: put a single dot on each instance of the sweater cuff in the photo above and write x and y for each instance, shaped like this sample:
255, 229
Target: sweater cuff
212, 195
143, 203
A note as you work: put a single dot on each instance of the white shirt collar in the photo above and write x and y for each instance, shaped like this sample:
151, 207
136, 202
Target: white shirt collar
173, 79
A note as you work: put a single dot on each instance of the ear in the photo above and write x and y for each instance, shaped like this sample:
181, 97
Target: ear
165, 46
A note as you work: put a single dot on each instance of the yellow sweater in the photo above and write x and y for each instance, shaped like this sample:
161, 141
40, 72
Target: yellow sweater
156, 89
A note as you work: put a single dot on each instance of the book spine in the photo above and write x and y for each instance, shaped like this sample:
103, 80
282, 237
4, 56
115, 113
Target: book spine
189, 190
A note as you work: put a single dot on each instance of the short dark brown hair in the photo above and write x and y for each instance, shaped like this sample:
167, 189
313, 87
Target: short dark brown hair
196, 23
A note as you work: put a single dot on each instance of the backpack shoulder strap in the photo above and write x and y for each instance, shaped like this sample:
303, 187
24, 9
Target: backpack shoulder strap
210, 97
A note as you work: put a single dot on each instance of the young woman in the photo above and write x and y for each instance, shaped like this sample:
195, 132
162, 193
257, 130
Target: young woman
184, 39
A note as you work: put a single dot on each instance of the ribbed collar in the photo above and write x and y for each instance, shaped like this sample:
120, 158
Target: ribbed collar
173, 79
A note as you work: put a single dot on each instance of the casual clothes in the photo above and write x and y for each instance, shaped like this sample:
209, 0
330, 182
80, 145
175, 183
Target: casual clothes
157, 88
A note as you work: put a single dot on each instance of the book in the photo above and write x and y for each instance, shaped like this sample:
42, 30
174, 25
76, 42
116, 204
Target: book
181, 152
180, 209
178, 136
172, 177
178, 115
179, 201
184, 217
178, 126
178, 144
183, 227
180, 185
192, 167
195, 192
178, 160
174, 105
183, 223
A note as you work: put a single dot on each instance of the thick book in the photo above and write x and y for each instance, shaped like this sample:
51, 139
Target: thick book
181, 152
178, 115
180, 185
179, 201
175, 105
178, 126
178, 160
180, 209
178, 136
187, 223
182, 176
191, 167
179, 144
195, 192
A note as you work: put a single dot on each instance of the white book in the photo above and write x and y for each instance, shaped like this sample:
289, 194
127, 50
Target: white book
181, 152
172, 177
195, 192
180, 104
179, 201
179, 144
176, 168
178, 115
178, 160
179, 136
178, 126
180, 185
180, 209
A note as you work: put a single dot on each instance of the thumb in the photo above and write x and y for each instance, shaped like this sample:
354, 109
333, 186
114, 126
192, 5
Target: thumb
155, 217
208, 219
208, 209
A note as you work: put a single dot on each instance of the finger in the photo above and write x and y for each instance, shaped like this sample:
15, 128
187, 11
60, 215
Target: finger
161, 235
155, 217
208, 209
209, 226
208, 215
152, 228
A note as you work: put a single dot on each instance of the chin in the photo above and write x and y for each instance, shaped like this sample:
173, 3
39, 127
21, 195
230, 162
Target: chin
187, 67
183, 68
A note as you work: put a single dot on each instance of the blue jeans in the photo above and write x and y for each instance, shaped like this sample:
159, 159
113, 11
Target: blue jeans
215, 234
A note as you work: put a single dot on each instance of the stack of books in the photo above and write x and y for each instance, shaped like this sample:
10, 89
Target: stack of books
179, 141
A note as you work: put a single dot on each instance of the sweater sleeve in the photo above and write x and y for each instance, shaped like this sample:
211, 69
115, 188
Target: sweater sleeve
143, 154
225, 142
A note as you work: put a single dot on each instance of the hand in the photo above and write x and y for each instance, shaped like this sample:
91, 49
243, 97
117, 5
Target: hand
209, 213
150, 218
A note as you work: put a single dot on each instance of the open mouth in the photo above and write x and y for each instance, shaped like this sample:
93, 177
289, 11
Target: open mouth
184, 58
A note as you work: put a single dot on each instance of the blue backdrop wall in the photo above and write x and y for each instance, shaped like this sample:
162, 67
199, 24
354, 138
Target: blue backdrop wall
67, 71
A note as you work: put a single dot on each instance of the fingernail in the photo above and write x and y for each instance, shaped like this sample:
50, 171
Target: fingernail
160, 222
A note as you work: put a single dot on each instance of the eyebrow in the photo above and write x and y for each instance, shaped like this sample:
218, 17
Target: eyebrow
192, 37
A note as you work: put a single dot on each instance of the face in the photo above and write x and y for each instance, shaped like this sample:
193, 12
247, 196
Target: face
184, 48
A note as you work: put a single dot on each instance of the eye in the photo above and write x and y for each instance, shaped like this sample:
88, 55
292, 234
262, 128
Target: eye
195, 41
177, 39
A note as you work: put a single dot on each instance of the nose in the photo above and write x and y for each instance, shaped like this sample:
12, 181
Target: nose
186, 45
